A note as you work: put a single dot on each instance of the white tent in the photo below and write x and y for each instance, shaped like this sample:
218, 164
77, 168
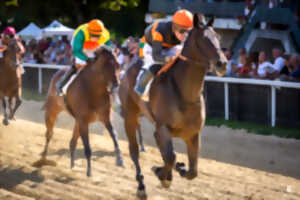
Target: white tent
57, 29
31, 31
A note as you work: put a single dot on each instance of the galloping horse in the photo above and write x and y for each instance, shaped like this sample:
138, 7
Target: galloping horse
87, 100
176, 103
10, 79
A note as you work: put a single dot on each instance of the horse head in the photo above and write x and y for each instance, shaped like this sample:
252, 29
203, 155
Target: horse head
11, 53
203, 44
107, 64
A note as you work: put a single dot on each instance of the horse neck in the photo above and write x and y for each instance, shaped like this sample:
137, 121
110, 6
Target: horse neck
189, 74
7, 63
189, 78
94, 79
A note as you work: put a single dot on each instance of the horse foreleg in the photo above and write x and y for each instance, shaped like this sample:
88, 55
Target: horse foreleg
5, 120
130, 126
164, 142
17, 105
84, 133
114, 135
192, 148
141, 141
73, 143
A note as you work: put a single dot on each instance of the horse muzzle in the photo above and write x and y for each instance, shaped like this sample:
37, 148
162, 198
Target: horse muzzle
221, 67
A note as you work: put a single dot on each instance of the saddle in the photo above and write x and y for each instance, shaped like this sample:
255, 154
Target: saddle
70, 81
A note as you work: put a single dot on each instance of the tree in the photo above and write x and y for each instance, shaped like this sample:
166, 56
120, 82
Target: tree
122, 16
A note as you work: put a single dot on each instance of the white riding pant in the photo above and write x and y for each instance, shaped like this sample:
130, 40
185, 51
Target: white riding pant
148, 58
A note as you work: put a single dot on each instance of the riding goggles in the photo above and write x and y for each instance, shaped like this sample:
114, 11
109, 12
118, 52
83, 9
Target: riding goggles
181, 30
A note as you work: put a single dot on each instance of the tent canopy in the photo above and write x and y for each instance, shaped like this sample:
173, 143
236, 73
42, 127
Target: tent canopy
58, 29
31, 31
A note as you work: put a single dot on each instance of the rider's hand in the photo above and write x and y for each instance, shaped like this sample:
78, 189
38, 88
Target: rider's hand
169, 58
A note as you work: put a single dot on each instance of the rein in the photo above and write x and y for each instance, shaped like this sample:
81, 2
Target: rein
186, 59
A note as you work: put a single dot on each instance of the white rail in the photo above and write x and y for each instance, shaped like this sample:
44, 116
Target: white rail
40, 67
273, 84
226, 80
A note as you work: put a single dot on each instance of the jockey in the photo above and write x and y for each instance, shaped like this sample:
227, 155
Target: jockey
162, 43
9, 33
86, 39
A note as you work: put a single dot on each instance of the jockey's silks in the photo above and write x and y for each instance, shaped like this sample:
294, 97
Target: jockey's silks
81, 41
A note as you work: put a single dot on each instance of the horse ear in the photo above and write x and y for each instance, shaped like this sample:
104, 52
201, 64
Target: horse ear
196, 21
199, 20
211, 21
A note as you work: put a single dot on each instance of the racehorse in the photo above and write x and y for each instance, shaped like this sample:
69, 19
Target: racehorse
88, 100
10, 79
176, 103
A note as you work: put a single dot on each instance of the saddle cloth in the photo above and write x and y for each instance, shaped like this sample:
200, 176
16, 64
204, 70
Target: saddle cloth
70, 81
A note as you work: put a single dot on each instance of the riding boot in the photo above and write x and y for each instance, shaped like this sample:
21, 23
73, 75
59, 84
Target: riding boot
142, 80
60, 84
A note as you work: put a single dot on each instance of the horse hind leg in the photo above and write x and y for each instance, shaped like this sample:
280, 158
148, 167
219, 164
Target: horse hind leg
5, 120
131, 126
73, 143
50, 118
192, 148
114, 136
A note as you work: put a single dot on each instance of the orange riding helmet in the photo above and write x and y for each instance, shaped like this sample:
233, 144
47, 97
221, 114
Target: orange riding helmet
183, 18
95, 27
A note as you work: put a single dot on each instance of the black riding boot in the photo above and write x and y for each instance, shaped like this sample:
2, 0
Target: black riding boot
60, 84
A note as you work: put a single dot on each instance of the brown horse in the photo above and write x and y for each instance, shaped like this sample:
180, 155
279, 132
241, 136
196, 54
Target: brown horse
88, 100
10, 79
176, 103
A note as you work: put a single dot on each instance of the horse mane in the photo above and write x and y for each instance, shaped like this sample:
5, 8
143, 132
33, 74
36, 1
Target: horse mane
103, 49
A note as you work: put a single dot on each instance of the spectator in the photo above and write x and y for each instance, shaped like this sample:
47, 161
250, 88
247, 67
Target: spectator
286, 68
278, 62
232, 67
264, 67
245, 69
294, 63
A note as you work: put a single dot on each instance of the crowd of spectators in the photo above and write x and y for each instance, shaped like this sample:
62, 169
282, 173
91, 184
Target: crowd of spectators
256, 65
48, 51
260, 65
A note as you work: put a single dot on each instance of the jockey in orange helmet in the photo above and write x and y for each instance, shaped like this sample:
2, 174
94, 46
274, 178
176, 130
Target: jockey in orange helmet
163, 41
86, 39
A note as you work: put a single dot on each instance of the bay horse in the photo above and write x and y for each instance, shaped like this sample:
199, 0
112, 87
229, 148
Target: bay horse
10, 79
176, 103
88, 99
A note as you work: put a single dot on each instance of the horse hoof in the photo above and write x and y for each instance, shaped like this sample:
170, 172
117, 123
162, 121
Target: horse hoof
89, 174
156, 170
12, 118
166, 183
5, 122
141, 194
180, 168
120, 163
179, 165
72, 165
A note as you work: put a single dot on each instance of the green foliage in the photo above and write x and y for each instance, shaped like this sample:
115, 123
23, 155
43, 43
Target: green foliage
125, 17
117, 5
284, 132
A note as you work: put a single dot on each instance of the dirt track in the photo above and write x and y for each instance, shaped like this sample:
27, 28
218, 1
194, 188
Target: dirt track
23, 140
